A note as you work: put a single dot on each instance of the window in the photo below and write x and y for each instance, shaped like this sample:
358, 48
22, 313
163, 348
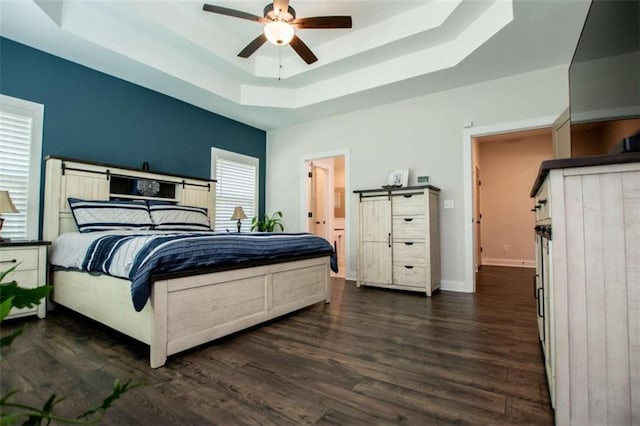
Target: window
20, 162
237, 185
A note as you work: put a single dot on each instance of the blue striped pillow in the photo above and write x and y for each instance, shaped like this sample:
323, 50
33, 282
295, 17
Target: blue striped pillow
171, 217
94, 215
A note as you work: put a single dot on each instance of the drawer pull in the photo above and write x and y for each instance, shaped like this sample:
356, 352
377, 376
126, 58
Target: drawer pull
408, 244
408, 266
408, 195
543, 201
9, 261
408, 219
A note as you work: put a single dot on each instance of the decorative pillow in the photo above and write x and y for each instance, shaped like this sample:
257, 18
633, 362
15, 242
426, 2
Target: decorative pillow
171, 217
93, 215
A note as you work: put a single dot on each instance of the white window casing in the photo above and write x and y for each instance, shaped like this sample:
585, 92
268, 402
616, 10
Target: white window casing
237, 178
21, 124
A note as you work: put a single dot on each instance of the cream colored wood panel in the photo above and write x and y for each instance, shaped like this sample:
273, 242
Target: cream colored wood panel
199, 197
375, 262
558, 285
104, 299
25, 258
410, 253
409, 275
631, 203
577, 294
408, 204
294, 285
595, 299
375, 224
616, 319
408, 228
542, 202
83, 185
433, 248
194, 309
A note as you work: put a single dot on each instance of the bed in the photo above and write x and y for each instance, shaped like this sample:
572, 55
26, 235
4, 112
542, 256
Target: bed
184, 308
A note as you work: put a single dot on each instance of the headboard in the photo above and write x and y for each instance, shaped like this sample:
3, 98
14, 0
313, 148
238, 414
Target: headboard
91, 181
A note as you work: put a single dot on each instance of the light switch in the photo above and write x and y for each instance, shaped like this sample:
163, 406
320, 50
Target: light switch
448, 204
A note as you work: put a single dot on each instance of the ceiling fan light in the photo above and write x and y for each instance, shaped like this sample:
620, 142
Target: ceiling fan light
278, 32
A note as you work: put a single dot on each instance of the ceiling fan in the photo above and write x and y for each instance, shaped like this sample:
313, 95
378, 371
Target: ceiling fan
280, 25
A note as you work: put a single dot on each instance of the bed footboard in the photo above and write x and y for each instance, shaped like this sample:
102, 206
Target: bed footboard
189, 311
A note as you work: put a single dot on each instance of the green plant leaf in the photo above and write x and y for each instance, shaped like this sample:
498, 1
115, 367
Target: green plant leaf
7, 340
7, 272
23, 297
117, 392
5, 308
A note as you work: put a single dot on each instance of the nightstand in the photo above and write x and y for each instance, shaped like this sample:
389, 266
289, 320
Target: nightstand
31, 258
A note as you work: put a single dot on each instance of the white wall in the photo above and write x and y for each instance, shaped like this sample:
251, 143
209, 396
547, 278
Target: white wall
423, 134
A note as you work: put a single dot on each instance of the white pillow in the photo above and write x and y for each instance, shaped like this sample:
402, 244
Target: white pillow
94, 215
170, 217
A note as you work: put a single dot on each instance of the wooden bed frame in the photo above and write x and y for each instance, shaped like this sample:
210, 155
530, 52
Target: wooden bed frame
183, 312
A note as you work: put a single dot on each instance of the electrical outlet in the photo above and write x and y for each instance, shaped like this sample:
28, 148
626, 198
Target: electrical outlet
505, 247
448, 204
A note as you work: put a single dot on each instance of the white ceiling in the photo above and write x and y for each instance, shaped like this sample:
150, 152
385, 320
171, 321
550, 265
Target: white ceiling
395, 50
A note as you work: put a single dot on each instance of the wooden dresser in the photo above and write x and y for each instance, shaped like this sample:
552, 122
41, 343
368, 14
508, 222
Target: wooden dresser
588, 286
399, 242
29, 257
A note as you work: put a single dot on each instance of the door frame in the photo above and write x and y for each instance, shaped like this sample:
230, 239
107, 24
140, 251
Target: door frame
348, 222
477, 198
470, 236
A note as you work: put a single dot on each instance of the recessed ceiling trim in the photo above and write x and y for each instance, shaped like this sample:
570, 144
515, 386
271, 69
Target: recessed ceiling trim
412, 65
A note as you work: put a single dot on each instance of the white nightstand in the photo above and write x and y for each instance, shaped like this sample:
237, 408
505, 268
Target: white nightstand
31, 258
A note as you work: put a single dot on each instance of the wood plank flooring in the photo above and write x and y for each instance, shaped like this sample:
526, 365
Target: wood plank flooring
372, 356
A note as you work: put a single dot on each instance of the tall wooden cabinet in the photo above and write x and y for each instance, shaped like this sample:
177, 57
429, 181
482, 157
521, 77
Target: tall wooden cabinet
588, 286
399, 245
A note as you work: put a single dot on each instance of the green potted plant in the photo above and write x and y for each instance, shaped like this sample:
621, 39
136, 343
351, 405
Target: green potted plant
267, 224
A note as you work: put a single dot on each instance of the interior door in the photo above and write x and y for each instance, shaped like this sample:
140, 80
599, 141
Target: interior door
311, 199
320, 201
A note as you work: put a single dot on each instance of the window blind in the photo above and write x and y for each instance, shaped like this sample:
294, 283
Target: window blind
15, 149
236, 186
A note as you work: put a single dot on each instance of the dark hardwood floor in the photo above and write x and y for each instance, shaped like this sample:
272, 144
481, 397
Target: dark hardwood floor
372, 356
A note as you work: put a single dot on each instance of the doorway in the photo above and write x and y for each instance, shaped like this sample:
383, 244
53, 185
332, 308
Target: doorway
325, 204
503, 218
470, 237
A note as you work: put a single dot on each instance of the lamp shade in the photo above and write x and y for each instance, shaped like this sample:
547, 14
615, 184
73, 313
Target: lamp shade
238, 214
279, 32
6, 205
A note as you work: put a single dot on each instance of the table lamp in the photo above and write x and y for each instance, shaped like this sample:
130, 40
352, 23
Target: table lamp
238, 214
6, 206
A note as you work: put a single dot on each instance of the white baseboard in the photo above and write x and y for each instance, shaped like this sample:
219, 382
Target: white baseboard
460, 286
509, 262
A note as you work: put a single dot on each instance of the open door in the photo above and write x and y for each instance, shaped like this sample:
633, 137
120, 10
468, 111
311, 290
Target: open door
319, 218
326, 203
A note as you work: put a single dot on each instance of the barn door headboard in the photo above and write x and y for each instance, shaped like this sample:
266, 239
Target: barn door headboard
90, 181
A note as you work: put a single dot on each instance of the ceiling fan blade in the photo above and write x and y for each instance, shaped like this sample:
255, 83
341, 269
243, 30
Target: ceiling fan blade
232, 12
253, 46
303, 50
282, 5
323, 22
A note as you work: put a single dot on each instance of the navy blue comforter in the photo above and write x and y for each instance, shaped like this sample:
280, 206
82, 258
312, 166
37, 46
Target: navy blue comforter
189, 252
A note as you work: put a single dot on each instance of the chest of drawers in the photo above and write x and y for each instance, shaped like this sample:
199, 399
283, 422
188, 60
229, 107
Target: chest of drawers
400, 239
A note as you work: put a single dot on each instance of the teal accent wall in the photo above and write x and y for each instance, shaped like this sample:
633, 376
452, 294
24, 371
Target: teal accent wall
89, 115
